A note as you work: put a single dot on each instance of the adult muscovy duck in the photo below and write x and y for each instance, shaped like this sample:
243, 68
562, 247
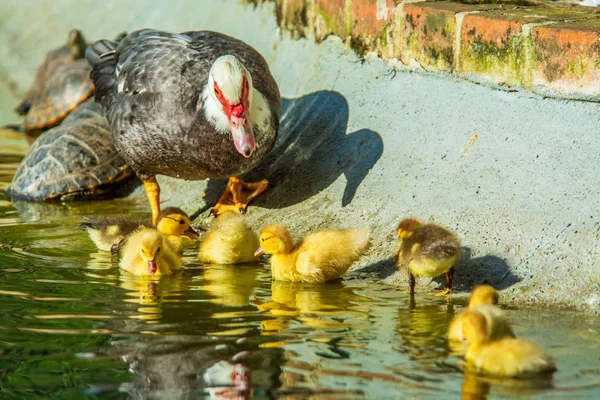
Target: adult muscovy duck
193, 105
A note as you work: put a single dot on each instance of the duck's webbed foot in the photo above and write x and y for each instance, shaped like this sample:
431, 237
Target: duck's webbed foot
238, 194
449, 281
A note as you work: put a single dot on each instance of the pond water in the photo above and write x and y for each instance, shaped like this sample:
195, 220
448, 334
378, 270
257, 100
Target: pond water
71, 326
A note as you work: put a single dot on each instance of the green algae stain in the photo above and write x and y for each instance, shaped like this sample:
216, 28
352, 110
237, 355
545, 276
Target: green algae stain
576, 69
512, 58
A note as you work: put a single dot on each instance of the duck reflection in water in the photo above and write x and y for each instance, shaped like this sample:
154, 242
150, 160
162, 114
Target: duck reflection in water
316, 306
422, 327
478, 387
183, 367
230, 285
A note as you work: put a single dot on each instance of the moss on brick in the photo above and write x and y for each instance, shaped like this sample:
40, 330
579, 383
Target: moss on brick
509, 58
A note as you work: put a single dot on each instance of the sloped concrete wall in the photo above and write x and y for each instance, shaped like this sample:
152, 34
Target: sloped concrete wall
517, 176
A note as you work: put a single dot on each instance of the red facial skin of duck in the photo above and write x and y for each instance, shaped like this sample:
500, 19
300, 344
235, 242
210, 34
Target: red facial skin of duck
239, 120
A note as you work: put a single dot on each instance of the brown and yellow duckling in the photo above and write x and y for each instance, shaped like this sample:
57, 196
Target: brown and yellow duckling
230, 241
506, 357
317, 258
427, 250
108, 232
148, 252
484, 300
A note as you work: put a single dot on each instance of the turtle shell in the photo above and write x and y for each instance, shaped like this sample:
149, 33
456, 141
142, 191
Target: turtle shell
74, 159
61, 84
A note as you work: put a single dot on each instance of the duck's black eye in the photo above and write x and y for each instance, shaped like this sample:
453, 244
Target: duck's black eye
158, 251
263, 239
181, 222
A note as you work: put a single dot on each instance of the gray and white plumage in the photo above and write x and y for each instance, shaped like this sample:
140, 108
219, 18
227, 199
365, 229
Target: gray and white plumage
151, 85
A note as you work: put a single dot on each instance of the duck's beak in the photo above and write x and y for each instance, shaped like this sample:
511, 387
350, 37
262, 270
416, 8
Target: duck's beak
241, 131
152, 267
259, 252
191, 233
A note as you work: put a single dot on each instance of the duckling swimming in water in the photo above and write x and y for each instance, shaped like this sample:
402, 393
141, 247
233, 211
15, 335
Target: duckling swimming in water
427, 250
147, 252
484, 300
317, 258
107, 232
507, 357
230, 241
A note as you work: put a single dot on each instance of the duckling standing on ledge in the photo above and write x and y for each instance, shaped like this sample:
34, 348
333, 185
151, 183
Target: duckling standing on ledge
484, 299
507, 357
230, 241
427, 250
317, 258
147, 252
108, 232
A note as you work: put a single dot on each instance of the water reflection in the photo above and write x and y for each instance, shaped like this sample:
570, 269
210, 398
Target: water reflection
231, 285
317, 306
423, 327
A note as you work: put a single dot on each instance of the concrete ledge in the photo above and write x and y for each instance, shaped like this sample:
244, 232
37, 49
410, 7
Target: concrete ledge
542, 47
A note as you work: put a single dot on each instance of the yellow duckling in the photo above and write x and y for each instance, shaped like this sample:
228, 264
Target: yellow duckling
108, 232
427, 250
507, 357
230, 241
147, 252
484, 299
317, 258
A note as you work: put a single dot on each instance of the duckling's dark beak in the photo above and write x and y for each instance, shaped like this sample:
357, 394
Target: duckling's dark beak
259, 252
152, 267
191, 233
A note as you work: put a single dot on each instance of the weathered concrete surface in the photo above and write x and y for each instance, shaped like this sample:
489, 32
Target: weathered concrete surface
516, 176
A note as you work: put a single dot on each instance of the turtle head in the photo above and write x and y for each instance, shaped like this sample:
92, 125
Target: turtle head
76, 44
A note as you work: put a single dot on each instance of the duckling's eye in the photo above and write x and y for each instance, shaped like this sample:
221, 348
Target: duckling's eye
158, 251
262, 239
181, 222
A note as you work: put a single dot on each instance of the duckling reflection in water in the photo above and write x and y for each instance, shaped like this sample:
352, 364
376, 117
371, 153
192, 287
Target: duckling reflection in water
427, 250
506, 357
314, 306
422, 328
109, 232
230, 241
147, 252
230, 286
148, 289
318, 258
484, 300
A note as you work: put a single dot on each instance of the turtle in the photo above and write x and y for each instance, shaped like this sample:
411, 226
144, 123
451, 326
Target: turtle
61, 84
73, 160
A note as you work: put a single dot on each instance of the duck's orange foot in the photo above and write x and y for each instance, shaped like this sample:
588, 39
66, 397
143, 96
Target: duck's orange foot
443, 292
238, 194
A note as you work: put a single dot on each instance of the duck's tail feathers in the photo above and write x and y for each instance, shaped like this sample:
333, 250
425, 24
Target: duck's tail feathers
101, 57
359, 240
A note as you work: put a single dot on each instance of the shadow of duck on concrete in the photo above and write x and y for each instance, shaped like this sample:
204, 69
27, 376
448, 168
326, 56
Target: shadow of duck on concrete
470, 272
484, 270
312, 151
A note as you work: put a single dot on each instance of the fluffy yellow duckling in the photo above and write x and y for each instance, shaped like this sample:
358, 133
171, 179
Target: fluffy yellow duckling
427, 250
147, 252
507, 357
230, 241
108, 232
484, 299
317, 258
